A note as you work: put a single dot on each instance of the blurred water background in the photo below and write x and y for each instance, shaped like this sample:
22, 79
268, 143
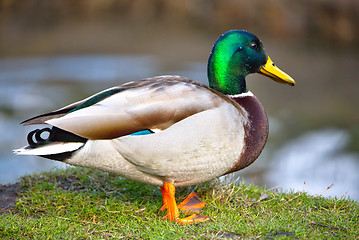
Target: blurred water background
53, 53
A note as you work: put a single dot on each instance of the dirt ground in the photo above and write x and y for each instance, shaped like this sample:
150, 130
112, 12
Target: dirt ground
8, 196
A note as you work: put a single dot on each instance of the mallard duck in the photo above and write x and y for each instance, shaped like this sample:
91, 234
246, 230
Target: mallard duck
168, 131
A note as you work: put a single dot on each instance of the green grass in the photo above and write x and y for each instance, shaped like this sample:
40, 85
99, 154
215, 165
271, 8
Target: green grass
80, 203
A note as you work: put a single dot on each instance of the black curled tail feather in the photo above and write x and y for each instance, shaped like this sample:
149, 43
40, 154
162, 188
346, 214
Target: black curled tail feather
35, 138
39, 140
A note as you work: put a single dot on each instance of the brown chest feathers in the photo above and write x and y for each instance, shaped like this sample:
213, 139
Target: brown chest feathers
256, 131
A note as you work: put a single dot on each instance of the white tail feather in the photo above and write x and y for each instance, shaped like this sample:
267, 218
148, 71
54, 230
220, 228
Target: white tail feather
49, 149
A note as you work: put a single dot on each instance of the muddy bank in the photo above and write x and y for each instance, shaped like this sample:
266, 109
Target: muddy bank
8, 196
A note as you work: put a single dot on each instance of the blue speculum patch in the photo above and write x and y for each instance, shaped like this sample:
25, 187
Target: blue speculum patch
143, 132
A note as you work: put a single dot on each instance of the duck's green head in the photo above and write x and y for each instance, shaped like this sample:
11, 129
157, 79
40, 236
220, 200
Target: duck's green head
235, 55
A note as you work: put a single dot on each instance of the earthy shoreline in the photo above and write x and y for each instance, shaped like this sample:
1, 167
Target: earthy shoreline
8, 196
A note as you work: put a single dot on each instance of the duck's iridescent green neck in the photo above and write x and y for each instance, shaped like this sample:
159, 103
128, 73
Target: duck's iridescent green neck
232, 59
221, 75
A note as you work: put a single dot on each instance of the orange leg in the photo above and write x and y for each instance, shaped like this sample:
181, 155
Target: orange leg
190, 204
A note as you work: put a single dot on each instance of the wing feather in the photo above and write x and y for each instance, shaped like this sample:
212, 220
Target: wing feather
155, 103
41, 119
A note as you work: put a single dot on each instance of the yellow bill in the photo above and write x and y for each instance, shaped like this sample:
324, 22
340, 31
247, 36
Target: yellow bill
272, 71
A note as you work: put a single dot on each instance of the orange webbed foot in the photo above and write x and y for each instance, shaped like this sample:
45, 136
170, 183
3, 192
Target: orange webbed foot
194, 218
191, 204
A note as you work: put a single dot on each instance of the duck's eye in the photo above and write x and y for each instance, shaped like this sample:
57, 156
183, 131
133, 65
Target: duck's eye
254, 45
